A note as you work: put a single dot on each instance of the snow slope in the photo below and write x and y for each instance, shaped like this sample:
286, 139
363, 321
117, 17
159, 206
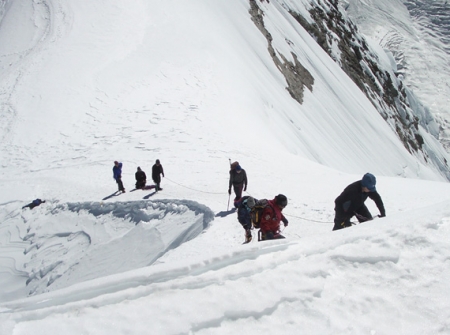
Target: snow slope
100, 90
416, 31
192, 84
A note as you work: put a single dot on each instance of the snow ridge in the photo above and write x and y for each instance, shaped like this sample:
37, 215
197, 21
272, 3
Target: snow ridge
59, 253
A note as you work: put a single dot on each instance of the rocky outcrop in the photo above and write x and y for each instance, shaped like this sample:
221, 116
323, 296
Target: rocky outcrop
297, 76
361, 65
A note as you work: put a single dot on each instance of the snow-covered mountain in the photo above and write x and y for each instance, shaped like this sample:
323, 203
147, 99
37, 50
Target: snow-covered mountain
54, 105
289, 88
416, 32
380, 80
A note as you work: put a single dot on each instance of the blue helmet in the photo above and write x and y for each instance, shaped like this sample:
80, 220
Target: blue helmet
369, 181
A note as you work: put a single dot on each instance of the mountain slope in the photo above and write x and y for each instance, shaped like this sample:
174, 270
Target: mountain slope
197, 84
417, 35
144, 74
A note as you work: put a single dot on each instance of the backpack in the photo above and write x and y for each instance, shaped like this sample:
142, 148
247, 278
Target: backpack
257, 211
37, 202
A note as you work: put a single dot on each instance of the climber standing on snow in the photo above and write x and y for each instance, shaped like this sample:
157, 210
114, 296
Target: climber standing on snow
117, 175
238, 179
157, 171
351, 202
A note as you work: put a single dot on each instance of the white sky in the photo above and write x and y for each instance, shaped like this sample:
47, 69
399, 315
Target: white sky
191, 83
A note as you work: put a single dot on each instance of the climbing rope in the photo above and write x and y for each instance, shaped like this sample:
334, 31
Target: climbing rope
190, 188
288, 215
299, 217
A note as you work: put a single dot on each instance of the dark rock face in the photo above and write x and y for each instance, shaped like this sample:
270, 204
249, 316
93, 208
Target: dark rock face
297, 76
362, 67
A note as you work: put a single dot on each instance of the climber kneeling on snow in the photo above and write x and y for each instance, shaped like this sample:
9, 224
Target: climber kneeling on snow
141, 178
271, 218
351, 202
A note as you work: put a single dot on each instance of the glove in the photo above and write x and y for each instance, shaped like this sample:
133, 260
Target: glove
229, 191
285, 221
